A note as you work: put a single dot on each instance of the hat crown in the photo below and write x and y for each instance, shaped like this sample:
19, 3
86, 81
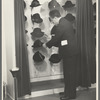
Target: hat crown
55, 58
37, 43
68, 4
94, 6
38, 57
35, 3
37, 30
37, 33
25, 17
24, 4
53, 4
36, 18
70, 17
26, 31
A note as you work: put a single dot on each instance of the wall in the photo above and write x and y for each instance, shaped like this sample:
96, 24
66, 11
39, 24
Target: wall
44, 69
4, 64
8, 43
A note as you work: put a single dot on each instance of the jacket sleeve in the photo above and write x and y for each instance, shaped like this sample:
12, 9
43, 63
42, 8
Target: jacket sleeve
57, 38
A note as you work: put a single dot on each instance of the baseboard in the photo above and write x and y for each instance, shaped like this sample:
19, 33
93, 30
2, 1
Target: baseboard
46, 78
43, 93
93, 85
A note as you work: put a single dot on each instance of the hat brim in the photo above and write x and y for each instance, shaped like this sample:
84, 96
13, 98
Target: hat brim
65, 7
54, 58
94, 17
36, 35
38, 59
26, 31
35, 5
70, 19
37, 46
39, 21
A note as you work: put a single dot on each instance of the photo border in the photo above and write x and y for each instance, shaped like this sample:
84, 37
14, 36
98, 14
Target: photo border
98, 13
98, 54
0, 50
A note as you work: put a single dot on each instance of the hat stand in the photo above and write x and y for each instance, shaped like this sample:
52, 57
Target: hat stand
14, 73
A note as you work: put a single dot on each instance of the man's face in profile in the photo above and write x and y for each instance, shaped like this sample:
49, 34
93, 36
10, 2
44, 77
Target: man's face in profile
53, 20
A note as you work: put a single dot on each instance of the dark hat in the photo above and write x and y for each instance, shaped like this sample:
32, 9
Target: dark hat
24, 4
26, 31
94, 17
95, 30
35, 3
53, 4
36, 18
38, 57
55, 58
25, 18
37, 44
68, 4
70, 17
94, 6
37, 33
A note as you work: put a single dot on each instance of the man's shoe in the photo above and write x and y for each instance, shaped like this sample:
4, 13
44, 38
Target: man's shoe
67, 98
73, 97
64, 98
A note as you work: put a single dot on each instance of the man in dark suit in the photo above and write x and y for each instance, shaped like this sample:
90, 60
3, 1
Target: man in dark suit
66, 41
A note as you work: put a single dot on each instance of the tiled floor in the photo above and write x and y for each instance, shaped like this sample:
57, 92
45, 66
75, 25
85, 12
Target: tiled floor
81, 95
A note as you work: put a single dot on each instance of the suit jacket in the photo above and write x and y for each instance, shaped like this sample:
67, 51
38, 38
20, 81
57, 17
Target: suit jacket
64, 32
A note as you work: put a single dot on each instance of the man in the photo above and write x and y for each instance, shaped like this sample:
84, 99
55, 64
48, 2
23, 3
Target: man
65, 39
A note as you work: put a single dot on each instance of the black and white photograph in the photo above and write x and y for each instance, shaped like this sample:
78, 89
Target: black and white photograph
49, 50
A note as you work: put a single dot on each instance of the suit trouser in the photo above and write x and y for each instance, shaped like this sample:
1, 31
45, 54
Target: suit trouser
69, 70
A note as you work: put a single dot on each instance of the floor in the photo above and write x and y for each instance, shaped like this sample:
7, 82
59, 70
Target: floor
81, 95
45, 85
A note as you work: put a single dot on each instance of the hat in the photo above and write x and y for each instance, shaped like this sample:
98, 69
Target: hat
94, 17
26, 31
53, 4
25, 18
38, 57
37, 33
95, 30
94, 6
24, 4
68, 4
70, 17
36, 18
35, 3
37, 44
55, 58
